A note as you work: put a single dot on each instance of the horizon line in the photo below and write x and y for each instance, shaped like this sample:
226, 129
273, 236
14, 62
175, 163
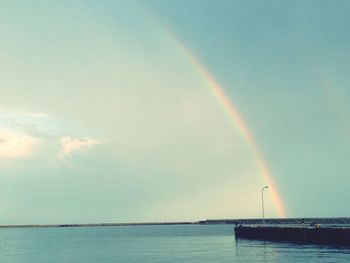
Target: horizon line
198, 222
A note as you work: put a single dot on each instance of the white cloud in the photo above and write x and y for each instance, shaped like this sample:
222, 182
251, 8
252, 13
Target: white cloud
15, 144
70, 145
22, 131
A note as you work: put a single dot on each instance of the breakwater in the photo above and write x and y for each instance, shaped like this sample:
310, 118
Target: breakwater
281, 221
252, 221
98, 224
301, 234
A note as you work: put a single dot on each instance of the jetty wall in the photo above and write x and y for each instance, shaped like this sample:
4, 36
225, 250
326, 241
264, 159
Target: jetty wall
281, 221
308, 235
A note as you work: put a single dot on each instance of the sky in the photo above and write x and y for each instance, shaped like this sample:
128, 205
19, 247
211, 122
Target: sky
142, 111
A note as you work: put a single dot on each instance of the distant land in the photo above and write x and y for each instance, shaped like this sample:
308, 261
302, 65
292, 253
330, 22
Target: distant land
317, 220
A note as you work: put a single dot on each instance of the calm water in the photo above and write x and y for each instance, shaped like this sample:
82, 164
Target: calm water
183, 243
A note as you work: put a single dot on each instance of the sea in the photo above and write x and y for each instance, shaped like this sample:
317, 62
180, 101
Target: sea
157, 243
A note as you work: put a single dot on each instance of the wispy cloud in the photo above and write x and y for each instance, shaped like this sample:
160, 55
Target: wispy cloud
32, 129
21, 131
71, 145
22, 114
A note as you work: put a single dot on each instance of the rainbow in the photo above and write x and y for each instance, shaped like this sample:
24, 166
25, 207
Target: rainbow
235, 117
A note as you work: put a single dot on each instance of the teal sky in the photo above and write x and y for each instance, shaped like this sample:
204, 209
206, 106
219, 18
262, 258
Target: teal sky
103, 119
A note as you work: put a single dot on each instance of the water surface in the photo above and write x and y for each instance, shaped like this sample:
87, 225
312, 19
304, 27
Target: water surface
163, 243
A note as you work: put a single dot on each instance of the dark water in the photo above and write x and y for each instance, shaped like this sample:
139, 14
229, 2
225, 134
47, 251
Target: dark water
177, 243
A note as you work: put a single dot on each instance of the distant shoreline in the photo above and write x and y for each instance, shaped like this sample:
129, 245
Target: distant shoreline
318, 220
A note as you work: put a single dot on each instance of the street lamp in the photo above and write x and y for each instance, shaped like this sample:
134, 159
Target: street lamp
262, 203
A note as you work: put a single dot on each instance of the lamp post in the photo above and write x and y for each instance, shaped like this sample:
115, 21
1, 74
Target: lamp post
262, 203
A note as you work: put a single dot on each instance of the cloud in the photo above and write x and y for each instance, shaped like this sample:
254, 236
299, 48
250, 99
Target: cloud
34, 131
36, 115
21, 131
71, 145
19, 114
15, 144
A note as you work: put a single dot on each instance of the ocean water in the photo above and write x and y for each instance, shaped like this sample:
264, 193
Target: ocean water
173, 243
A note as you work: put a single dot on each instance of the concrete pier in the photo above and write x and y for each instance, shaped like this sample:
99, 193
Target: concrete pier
301, 234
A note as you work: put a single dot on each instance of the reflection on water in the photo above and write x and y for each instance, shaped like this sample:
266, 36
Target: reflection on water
270, 251
181, 243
